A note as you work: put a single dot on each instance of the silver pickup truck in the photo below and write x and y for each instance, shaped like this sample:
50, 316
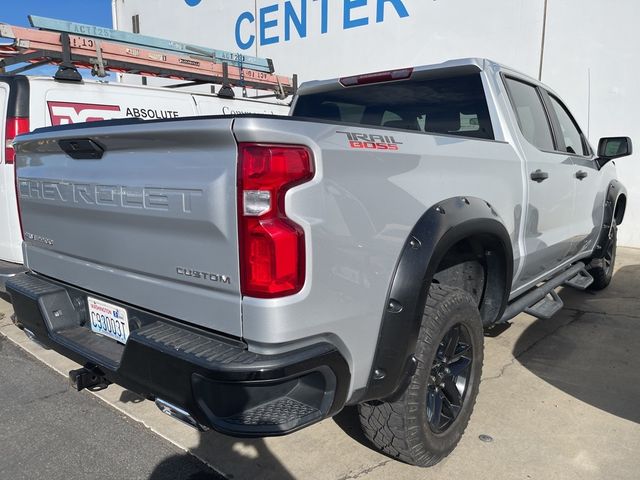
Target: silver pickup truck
255, 274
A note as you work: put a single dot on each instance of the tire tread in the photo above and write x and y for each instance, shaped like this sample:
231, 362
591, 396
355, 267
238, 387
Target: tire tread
602, 278
394, 427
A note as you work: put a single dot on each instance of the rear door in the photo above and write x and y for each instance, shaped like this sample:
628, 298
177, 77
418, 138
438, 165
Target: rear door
548, 214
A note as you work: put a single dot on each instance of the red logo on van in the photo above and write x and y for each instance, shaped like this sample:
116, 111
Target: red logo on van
64, 113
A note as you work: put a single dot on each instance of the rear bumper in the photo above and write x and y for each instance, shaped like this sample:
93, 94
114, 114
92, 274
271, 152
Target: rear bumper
9, 270
215, 379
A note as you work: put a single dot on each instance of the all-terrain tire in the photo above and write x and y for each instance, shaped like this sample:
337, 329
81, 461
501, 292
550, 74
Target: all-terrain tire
601, 269
403, 429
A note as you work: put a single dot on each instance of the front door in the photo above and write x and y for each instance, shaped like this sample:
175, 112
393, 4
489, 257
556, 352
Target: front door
588, 206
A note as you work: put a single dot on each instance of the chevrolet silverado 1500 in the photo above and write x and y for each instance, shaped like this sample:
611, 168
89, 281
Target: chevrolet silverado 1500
255, 274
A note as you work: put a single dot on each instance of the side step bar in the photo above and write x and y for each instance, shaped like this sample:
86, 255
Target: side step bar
547, 307
581, 281
543, 302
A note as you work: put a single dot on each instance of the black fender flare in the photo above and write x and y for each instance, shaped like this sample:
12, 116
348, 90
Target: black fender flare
440, 228
614, 191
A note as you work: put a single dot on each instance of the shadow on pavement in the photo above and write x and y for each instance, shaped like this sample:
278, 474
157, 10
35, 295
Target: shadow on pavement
590, 348
348, 420
127, 396
231, 457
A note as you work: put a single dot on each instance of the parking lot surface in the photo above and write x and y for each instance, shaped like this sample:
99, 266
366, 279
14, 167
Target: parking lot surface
49, 431
559, 399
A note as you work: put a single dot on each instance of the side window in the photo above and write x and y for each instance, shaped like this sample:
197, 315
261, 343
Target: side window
570, 131
531, 114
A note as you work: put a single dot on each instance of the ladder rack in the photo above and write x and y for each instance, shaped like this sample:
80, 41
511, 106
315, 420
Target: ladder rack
236, 59
104, 50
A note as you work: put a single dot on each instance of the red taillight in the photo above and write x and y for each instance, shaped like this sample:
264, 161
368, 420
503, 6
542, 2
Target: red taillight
15, 126
377, 77
272, 249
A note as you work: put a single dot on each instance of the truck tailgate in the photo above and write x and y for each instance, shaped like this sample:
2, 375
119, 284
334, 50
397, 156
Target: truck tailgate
151, 223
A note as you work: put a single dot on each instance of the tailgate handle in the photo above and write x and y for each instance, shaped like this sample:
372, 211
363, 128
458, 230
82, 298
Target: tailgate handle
82, 148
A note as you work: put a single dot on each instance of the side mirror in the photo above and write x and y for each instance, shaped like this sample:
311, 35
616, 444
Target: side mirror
610, 148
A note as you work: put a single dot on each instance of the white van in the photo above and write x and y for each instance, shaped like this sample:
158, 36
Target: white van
27, 103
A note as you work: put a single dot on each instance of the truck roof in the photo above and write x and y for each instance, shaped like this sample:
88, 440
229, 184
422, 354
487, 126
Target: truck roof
460, 65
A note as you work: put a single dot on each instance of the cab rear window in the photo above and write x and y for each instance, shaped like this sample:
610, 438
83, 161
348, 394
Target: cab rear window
449, 106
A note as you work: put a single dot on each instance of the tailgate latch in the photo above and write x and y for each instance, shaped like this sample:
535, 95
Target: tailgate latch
82, 148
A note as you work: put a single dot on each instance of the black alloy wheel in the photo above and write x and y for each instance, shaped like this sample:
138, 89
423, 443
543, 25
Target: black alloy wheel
449, 379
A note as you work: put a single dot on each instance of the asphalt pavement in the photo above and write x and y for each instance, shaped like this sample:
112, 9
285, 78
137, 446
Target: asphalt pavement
50, 431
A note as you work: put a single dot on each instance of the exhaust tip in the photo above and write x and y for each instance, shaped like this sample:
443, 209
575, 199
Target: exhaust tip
178, 413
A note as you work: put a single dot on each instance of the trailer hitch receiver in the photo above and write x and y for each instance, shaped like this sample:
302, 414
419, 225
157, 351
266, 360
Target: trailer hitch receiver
84, 378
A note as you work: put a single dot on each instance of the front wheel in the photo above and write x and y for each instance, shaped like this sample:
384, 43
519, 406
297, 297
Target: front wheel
426, 423
601, 269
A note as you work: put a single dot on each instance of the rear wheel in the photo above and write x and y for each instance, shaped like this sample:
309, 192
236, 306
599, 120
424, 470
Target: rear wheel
601, 269
426, 423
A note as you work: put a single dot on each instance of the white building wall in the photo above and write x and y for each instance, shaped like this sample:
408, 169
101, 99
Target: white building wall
590, 54
591, 59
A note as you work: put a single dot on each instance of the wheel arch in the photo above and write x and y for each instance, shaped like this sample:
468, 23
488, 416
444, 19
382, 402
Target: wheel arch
440, 228
615, 206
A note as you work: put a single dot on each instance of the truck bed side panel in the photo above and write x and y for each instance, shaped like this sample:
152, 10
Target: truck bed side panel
357, 213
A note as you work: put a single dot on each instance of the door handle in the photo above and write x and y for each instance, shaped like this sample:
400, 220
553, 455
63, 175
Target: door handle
539, 176
580, 175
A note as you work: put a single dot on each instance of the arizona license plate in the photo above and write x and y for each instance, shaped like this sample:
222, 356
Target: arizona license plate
108, 320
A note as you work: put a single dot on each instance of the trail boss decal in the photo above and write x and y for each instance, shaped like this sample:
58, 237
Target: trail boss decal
371, 142
65, 113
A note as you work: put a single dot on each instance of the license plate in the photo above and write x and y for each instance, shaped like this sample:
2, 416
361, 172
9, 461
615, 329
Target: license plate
108, 320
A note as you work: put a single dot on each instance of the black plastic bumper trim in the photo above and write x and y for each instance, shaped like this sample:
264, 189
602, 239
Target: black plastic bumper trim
262, 395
